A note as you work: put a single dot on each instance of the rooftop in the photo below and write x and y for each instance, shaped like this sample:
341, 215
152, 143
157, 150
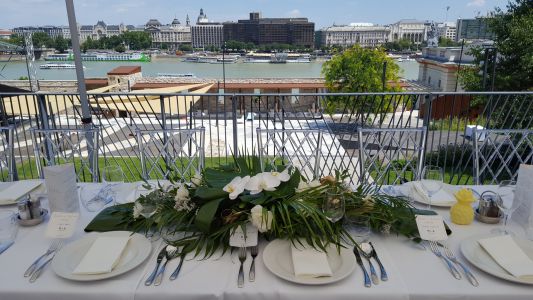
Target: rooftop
125, 70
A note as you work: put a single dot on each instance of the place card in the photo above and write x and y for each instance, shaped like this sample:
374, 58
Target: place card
61, 225
431, 228
239, 239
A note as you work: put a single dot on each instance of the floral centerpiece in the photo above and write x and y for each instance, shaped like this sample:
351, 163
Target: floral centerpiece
280, 202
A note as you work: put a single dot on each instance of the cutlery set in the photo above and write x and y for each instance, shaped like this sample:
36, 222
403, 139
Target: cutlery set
451, 261
254, 251
167, 254
368, 251
37, 267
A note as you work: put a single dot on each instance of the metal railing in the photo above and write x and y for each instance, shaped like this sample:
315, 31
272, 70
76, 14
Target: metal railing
231, 120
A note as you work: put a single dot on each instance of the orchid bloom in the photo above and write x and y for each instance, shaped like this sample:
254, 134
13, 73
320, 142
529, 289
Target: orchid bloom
262, 182
236, 186
283, 176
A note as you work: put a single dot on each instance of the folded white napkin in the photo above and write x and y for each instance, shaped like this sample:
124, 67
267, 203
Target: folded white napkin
442, 197
103, 255
504, 250
15, 190
308, 262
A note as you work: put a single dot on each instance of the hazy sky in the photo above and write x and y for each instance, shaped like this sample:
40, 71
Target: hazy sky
322, 12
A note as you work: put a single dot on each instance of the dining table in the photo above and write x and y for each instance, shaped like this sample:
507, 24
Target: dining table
414, 272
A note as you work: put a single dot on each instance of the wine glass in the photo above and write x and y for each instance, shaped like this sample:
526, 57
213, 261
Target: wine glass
358, 227
507, 203
112, 175
432, 178
333, 206
148, 209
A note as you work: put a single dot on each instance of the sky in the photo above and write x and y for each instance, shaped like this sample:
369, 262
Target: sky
322, 12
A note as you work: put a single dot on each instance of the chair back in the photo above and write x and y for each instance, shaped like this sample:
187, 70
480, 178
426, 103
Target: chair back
391, 155
300, 148
7, 158
58, 146
167, 151
498, 153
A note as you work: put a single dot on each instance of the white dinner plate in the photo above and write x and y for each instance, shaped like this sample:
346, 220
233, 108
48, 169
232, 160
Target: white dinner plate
476, 255
66, 260
278, 259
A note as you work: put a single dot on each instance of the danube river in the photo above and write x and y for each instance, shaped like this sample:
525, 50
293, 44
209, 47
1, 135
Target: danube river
14, 70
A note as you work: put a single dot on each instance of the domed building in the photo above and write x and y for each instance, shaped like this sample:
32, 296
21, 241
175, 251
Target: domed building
169, 36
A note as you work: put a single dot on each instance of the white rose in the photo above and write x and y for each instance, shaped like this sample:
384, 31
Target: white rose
182, 193
137, 208
263, 222
197, 179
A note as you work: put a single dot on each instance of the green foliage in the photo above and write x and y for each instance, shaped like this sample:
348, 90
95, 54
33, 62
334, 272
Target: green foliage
41, 39
213, 216
446, 42
514, 30
135, 40
400, 45
120, 48
185, 47
360, 70
23, 78
60, 44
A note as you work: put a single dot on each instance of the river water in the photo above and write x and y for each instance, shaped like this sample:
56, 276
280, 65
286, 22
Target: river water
14, 70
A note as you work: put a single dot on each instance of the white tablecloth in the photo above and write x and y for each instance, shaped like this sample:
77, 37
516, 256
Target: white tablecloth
414, 273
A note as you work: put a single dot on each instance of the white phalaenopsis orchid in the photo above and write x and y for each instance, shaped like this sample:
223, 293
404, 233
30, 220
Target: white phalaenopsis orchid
262, 182
263, 222
303, 185
236, 186
283, 176
137, 208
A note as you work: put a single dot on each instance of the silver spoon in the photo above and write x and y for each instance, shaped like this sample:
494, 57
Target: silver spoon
367, 253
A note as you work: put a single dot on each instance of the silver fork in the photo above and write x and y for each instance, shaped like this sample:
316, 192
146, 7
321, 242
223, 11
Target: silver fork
56, 244
40, 268
242, 258
435, 249
253, 251
451, 256
169, 255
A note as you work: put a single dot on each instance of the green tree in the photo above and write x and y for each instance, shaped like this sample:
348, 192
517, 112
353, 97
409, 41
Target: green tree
185, 47
60, 44
41, 39
514, 44
16, 39
359, 69
446, 42
405, 44
137, 40
120, 48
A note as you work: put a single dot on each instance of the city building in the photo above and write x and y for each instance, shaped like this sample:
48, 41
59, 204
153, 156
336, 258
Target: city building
101, 29
206, 33
473, 30
447, 30
438, 67
5, 34
261, 31
169, 36
52, 31
65, 32
413, 30
364, 34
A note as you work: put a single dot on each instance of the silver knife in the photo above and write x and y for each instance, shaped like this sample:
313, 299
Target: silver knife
160, 257
5, 246
360, 262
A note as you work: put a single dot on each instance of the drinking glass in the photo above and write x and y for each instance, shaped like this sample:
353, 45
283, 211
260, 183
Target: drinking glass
8, 227
112, 175
333, 206
94, 197
507, 203
432, 179
147, 210
358, 227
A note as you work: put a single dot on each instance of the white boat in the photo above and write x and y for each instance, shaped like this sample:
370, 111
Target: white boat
176, 75
58, 66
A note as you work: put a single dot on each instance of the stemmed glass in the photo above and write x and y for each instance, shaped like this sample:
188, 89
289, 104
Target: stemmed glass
94, 198
148, 209
333, 206
507, 203
432, 179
